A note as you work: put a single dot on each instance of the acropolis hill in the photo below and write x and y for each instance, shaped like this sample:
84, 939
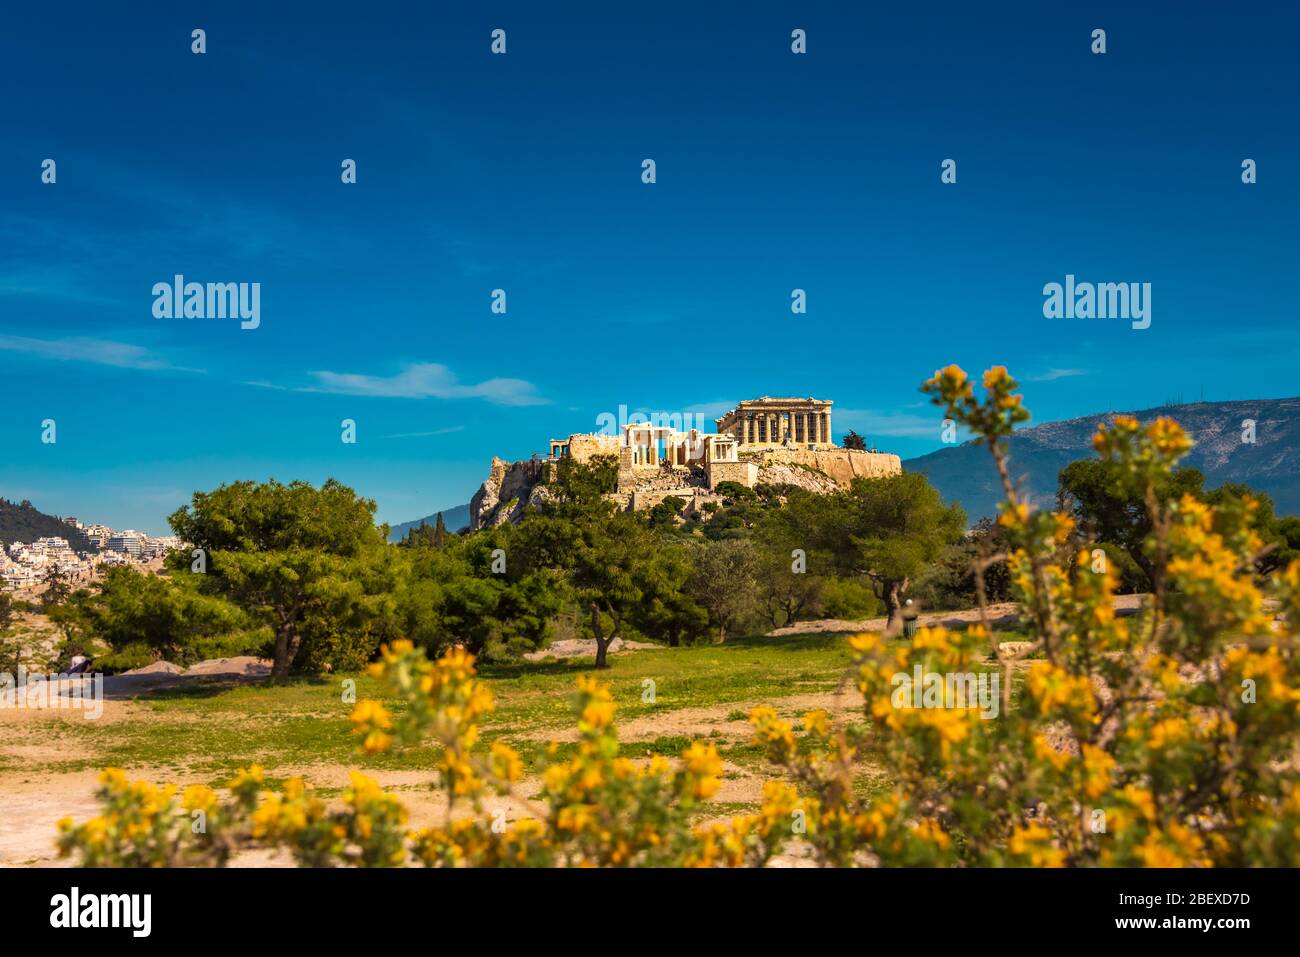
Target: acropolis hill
766, 440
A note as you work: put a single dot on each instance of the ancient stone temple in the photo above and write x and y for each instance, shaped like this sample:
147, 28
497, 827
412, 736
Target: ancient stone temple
781, 442
790, 423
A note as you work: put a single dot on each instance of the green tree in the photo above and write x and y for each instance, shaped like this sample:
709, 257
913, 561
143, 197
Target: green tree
787, 578
1108, 506
613, 571
11, 647
724, 582
847, 598
886, 529
742, 510
57, 588
425, 535
668, 613
143, 616
664, 515
950, 582
852, 440
452, 595
581, 487
308, 562
1281, 537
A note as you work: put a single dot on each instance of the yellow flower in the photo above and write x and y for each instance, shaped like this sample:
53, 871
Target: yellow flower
199, 797
252, 775
1033, 841
817, 723
929, 830
505, 762
371, 714
703, 763
1097, 769
1044, 752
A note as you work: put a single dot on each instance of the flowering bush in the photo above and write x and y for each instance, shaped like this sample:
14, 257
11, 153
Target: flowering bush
602, 809
1168, 739
1163, 739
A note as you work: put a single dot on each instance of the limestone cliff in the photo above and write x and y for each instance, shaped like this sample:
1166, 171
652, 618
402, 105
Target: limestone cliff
509, 487
512, 486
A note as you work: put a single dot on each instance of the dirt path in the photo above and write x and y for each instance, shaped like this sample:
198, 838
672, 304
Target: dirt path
1003, 614
31, 808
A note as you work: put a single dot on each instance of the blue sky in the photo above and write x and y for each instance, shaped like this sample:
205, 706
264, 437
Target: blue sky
522, 172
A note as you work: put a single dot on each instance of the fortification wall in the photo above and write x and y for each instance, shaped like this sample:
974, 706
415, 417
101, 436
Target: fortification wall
586, 446
746, 473
842, 466
643, 499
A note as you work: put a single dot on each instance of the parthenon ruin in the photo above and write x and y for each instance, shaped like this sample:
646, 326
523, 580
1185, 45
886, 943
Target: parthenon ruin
793, 423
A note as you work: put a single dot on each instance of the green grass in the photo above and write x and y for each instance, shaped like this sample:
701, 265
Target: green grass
208, 731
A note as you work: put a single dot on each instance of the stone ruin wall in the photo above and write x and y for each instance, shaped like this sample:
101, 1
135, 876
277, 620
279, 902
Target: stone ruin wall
746, 473
584, 448
842, 466
820, 471
640, 500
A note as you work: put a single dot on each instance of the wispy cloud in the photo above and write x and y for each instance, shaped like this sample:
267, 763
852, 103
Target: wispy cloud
121, 355
426, 380
1053, 374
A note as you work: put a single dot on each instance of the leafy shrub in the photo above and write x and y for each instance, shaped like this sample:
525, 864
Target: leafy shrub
848, 599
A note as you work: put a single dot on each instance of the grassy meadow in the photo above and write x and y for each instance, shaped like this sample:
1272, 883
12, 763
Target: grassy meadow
204, 731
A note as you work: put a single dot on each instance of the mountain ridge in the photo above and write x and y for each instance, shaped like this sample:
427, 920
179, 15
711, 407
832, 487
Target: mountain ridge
454, 518
1271, 463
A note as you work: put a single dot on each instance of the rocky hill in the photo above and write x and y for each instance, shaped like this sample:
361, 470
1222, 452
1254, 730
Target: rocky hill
965, 474
23, 522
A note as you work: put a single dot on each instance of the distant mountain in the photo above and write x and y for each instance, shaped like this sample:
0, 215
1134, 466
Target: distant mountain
22, 522
453, 518
965, 473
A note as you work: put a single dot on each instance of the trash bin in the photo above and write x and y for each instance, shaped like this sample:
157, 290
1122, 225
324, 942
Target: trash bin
910, 613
